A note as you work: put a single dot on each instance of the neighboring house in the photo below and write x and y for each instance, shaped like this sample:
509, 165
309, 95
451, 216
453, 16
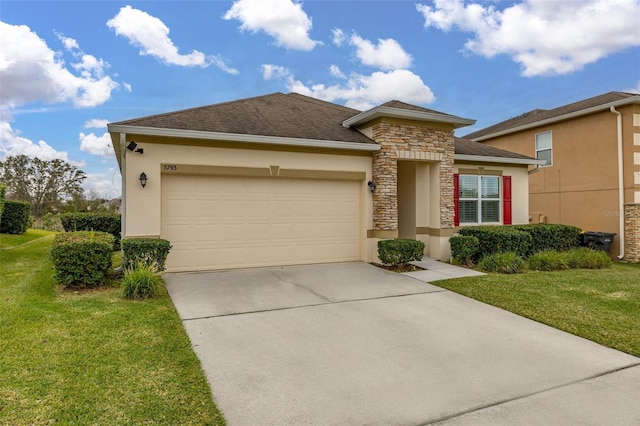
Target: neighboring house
591, 175
288, 179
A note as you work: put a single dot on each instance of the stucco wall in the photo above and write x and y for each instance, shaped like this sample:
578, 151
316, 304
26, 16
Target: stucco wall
143, 205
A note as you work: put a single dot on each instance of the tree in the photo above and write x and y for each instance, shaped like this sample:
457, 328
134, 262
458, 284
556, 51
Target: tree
46, 184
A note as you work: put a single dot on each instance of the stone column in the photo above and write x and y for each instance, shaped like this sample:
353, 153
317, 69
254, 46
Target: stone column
632, 232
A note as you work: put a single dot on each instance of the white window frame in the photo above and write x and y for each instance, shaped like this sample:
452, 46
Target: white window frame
479, 199
549, 148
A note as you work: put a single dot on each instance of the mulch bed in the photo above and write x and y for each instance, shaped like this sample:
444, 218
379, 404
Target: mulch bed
407, 267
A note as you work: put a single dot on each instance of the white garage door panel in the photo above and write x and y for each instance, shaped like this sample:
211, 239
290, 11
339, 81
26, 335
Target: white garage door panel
217, 222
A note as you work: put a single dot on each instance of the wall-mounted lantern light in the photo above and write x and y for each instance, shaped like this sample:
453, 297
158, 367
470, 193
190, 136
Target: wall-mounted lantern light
132, 146
372, 185
143, 179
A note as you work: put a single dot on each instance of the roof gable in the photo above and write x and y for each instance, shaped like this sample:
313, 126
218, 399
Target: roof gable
542, 116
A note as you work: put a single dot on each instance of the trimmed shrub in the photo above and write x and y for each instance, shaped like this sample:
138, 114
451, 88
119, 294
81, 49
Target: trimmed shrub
498, 239
548, 260
3, 190
140, 283
145, 251
101, 222
463, 248
551, 237
503, 263
400, 251
82, 259
586, 258
15, 217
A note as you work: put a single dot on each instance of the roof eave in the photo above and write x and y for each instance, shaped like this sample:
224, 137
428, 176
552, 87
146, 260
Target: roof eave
563, 117
503, 160
242, 138
382, 111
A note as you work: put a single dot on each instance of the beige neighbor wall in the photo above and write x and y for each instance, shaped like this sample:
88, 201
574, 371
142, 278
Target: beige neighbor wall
143, 205
519, 186
581, 187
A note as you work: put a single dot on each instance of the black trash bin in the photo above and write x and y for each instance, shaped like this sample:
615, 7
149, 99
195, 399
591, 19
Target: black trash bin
598, 240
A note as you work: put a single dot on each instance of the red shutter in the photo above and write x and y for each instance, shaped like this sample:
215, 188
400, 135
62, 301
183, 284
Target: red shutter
506, 197
456, 199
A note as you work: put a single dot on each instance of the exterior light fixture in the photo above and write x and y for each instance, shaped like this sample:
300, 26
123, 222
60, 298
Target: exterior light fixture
131, 146
143, 179
372, 185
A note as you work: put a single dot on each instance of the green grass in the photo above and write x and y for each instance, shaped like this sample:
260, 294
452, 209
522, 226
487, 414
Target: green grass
90, 357
8, 241
601, 305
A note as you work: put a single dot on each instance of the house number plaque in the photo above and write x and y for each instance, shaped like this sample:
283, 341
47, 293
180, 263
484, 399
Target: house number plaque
169, 167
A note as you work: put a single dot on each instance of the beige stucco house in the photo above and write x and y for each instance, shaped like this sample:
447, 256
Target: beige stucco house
286, 179
591, 175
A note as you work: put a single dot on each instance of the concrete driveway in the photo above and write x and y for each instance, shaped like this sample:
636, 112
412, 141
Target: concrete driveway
351, 344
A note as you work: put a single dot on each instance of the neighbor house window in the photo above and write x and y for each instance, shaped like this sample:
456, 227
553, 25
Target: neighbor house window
544, 148
479, 199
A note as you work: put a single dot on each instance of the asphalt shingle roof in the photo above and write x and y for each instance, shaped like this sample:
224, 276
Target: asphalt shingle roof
468, 147
537, 115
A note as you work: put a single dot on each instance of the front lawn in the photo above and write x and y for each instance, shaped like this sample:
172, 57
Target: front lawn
90, 357
601, 305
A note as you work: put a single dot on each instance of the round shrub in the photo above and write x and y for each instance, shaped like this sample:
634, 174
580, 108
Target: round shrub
503, 263
82, 259
400, 251
140, 282
463, 248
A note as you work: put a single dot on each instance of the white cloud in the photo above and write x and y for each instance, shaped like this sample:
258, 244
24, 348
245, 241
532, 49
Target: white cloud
634, 89
151, 35
338, 37
106, 185
96, 145
96, 123
336, 71
362, 91
283, 20
545, 37
270, 71
11, 143
31, 72
386, 55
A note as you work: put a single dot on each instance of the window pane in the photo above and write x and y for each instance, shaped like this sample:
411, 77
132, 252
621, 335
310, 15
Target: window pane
468, 186
544, 155
490, 187
490, 211
543, 141
468, 211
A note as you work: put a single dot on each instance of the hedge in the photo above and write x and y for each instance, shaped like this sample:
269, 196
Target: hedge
546, 237
82, 259
400, 251
15, 217
3, 190
145, 251
498, 239
101, 222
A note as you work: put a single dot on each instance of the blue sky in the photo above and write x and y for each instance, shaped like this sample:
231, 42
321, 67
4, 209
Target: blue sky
69, 67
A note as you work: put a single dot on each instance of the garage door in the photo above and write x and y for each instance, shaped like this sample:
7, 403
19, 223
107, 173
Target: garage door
219, 222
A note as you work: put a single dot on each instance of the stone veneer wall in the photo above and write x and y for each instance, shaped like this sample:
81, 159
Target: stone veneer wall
632, 232
409, 142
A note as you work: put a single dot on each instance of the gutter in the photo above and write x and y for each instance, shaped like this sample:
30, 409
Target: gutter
502, 160
620, 181
242, 138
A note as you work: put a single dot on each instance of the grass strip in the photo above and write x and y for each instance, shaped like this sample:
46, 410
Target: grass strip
91, 357
600, 305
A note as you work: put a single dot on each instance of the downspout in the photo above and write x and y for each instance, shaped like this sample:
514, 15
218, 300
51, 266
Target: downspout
536, 169
620, 182
123, 191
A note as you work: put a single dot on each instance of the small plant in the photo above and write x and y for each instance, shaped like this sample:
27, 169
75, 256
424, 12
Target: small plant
400, 251
549, 260
463, 249
586, 258
503, 263
140, 283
